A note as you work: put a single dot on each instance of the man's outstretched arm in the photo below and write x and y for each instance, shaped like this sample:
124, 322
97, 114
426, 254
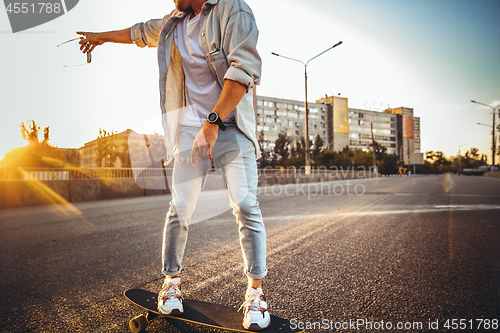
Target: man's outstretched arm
93, 39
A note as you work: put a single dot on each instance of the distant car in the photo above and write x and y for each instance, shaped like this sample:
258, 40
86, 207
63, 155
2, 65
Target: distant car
479, 171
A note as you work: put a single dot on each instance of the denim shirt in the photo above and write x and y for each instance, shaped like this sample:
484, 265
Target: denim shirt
228, 35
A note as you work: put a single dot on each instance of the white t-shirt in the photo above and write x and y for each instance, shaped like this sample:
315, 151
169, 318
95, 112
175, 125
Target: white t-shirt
202, 89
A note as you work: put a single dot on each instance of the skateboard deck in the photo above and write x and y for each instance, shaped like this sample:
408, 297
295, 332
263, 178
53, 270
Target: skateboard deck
198, 312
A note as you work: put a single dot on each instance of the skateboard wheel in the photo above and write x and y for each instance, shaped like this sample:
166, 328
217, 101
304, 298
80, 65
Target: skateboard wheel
138, 324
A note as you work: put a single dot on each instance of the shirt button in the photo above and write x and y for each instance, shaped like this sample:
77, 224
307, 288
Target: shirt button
202, 34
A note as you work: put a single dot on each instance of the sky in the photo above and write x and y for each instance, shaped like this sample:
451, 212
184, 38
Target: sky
432, 56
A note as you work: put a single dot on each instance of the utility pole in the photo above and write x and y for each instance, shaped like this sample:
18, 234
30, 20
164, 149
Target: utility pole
493, 143
460, 159
373, 149
306, 115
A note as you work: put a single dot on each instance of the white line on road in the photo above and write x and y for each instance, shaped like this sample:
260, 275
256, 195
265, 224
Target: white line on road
429, 209
271, 252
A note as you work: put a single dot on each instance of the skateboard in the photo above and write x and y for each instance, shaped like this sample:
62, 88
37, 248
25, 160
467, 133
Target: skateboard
198, 312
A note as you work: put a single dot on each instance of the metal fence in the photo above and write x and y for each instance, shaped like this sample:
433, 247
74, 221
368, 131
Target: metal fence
26, 174
19, 174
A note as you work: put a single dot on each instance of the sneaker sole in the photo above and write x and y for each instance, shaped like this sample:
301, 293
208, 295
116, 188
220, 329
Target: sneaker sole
174, 312
255, 327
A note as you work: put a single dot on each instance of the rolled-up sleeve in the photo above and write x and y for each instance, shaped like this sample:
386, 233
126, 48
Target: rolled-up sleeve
241, 49
147, 33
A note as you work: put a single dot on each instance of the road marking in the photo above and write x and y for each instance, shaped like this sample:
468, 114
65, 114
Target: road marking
424, 209
336, 218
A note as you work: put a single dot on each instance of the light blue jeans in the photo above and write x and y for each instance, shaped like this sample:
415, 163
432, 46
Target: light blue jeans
234, 154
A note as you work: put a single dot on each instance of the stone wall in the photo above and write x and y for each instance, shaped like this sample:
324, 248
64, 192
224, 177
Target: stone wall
19, 193
34, 192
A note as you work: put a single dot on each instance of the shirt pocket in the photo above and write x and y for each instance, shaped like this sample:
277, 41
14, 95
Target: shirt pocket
218, 64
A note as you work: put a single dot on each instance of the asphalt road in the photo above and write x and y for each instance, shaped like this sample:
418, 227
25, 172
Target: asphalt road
409, 253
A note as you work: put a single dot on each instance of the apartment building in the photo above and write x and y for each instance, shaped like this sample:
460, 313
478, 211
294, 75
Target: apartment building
365, 124
277, 115
340, 126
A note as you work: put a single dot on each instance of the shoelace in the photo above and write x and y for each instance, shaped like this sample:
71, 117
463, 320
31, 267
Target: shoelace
169, 291
253, 302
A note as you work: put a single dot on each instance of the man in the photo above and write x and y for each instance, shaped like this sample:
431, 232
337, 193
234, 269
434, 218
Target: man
208, 67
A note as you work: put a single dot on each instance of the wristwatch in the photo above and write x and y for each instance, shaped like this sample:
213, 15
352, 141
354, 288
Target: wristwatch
213, 118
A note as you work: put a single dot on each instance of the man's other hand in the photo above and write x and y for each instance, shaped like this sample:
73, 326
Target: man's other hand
204, 142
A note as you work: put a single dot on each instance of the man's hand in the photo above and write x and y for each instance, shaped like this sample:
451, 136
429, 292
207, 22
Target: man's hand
93, 39
204, 142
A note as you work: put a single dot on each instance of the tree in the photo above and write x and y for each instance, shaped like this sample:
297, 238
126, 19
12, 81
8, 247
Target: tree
389, 164
31, 134
327, 158
300, 146
474, 153
264, 159
282, 147
109, 148
435, 163
472, 159
46, 135
379, 150
318, 146
36, 154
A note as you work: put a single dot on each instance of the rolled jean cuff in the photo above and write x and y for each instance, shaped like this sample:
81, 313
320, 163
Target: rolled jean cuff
172, 273
255, 277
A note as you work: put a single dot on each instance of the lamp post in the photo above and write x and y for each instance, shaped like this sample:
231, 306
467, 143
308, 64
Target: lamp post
306, 114
493, 141
460, 159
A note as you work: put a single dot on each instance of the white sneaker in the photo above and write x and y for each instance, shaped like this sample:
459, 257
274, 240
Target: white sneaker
256, 317
170, 297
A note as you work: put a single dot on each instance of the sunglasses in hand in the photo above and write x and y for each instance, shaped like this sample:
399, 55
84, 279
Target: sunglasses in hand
89, 55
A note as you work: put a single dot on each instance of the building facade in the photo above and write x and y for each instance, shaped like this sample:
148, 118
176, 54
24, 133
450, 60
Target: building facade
276, 115
340, 126
365, 125
408, 135
89, 152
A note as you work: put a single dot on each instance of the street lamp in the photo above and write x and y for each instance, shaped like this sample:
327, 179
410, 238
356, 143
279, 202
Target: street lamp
306, 115
494, 146
460, 159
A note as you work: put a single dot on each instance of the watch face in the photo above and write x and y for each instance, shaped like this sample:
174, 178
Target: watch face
212, 117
